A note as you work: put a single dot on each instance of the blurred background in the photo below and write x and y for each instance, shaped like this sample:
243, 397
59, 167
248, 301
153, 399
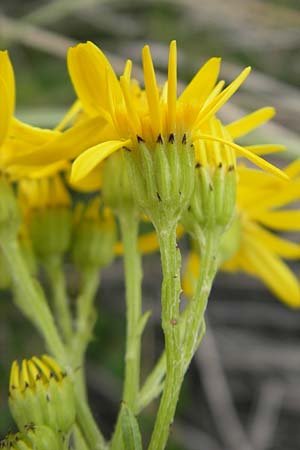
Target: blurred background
243, 389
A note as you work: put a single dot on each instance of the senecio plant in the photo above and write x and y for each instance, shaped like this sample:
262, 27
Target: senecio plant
150, 155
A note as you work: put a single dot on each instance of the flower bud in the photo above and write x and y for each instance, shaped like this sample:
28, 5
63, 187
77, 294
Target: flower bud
94, 235
212, 205
46, 208
41, 394
33, 438
230, 241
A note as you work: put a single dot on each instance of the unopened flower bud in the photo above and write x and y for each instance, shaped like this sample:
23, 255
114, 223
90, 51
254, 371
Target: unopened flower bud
33, 438
212, 205
42, 394
46, 208
94, 235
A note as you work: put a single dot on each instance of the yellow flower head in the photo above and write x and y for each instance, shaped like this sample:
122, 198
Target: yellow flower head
156, 114
119, 114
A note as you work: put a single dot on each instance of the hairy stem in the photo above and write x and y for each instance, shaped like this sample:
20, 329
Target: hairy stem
170, 258
133, 278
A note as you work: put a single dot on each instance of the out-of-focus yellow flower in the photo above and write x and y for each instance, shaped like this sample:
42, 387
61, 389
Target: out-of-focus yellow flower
121, 115
15, 136
258, 250
42, 193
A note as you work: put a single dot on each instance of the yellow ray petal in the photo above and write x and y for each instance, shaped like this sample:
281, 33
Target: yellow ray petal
14, 381
133, 118
32, 135
249, 177
127, 69
18, 172
69, 116
7, 74
293, 169
273, 198
5, 112
67, 145
273, 272
91, 183
172, 87
281, 220
248, 123
212, 107
87, 66
265, 149
92, 157
151, 90
276, 244
214, 93
260, 162
202, 84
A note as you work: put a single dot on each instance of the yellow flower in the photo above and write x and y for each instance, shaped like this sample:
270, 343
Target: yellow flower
121, 115
257, 249
43, 193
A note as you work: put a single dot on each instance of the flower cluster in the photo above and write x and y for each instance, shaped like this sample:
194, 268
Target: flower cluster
125, 157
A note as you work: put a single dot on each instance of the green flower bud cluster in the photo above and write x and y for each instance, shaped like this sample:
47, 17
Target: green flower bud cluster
162, 178
41, 394
32, 438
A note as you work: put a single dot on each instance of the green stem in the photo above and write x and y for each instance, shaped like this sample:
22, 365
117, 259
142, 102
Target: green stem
133, 278
88, 427
80, 442
208, 245
85, 321
54, 267
31, 299
86, 315
170, 258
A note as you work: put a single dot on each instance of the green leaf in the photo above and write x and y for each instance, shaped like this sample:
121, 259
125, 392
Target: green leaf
130, 430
